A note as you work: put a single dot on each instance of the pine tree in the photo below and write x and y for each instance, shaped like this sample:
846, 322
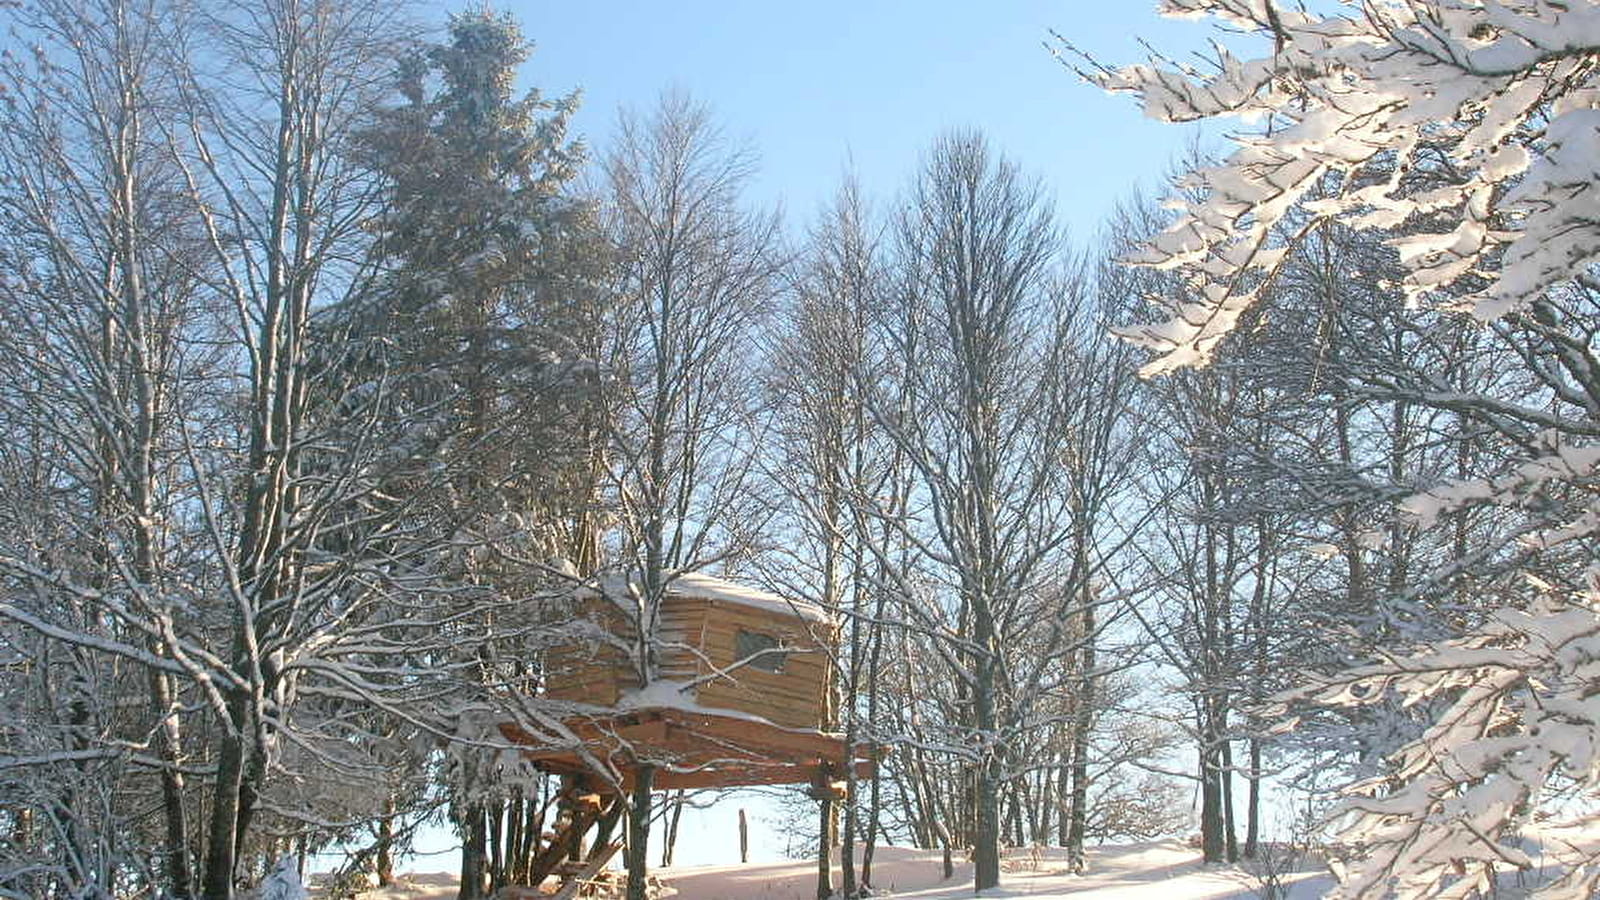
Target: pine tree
485, 290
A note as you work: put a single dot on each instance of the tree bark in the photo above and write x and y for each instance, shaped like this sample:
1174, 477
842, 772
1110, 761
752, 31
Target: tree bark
1229, 833
825, 829
384, 863
986, 837
847, 835
1211, 843
670, 840
495, 823
513, 851
169, 744
1252, 838
638, 858
473, 853
220, 858
1082, 721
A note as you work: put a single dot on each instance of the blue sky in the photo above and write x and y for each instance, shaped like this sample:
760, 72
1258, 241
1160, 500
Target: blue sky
816, 86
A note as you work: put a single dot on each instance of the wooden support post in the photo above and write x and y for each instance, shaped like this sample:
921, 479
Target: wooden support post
638, 857
825, 848
744, 838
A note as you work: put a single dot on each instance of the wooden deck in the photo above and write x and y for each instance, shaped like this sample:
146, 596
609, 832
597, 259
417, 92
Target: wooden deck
692, 749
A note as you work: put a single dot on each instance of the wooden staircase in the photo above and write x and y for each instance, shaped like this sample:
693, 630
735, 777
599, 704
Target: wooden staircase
576, 876
583, 809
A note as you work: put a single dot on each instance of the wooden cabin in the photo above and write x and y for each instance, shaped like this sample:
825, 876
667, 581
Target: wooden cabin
741, 694
723, 646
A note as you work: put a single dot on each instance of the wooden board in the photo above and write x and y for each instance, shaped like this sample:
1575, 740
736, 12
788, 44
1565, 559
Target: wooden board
596, 862
794, 697
707, 632
692, 749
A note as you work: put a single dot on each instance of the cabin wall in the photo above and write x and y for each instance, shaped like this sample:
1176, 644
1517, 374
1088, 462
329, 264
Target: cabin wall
707, 631
794, 697
593, 673
683, 622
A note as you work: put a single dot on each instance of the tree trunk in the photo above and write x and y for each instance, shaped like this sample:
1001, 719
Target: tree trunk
473, 853
249, 790
825, 847
1064, 800
385, 849
1082, 724
1252, 835
220, 847
495, 824
1229, 833
169, 747
874, 806
944, 841
1212, 844
986, 837
875, 787
670, 839
513, 851
1013, 814
533, 829
638, 859
604, 828
847, 836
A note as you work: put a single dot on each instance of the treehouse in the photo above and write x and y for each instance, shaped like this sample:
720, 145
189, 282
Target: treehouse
740, 695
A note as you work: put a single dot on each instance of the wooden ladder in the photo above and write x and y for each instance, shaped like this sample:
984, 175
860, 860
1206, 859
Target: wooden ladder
586, 810
573, 880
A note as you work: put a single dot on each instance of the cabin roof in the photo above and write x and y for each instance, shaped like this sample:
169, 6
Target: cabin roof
710, 587
699, 584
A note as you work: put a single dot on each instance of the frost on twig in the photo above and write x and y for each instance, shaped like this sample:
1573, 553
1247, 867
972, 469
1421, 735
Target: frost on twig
1472, 124
1521, 724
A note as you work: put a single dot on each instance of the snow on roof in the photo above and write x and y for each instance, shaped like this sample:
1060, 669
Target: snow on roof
699, 584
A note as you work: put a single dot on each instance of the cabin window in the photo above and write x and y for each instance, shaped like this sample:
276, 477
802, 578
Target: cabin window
750, 643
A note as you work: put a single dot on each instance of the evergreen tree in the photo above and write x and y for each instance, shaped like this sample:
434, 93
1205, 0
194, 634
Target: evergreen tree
488, 268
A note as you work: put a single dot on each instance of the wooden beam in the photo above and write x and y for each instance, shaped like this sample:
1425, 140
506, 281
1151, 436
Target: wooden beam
695, 749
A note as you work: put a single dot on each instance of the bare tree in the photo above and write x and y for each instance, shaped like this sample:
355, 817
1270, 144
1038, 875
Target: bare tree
99, 313
281, 202
827, 463
232, 538
696, 273
976, 334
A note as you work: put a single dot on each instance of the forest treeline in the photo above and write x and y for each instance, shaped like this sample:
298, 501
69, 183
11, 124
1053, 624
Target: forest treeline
332, 367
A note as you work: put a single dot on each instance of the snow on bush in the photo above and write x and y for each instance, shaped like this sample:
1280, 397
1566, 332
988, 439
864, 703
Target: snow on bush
282, 883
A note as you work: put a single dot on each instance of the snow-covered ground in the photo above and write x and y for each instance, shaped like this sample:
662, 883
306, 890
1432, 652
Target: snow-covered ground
1157, 871
1165, 870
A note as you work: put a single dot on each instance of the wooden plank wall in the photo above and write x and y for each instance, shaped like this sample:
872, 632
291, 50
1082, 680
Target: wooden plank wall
794, 697
582, 672
683, 620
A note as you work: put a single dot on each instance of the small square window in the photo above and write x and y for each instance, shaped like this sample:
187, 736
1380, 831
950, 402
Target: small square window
760, 649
